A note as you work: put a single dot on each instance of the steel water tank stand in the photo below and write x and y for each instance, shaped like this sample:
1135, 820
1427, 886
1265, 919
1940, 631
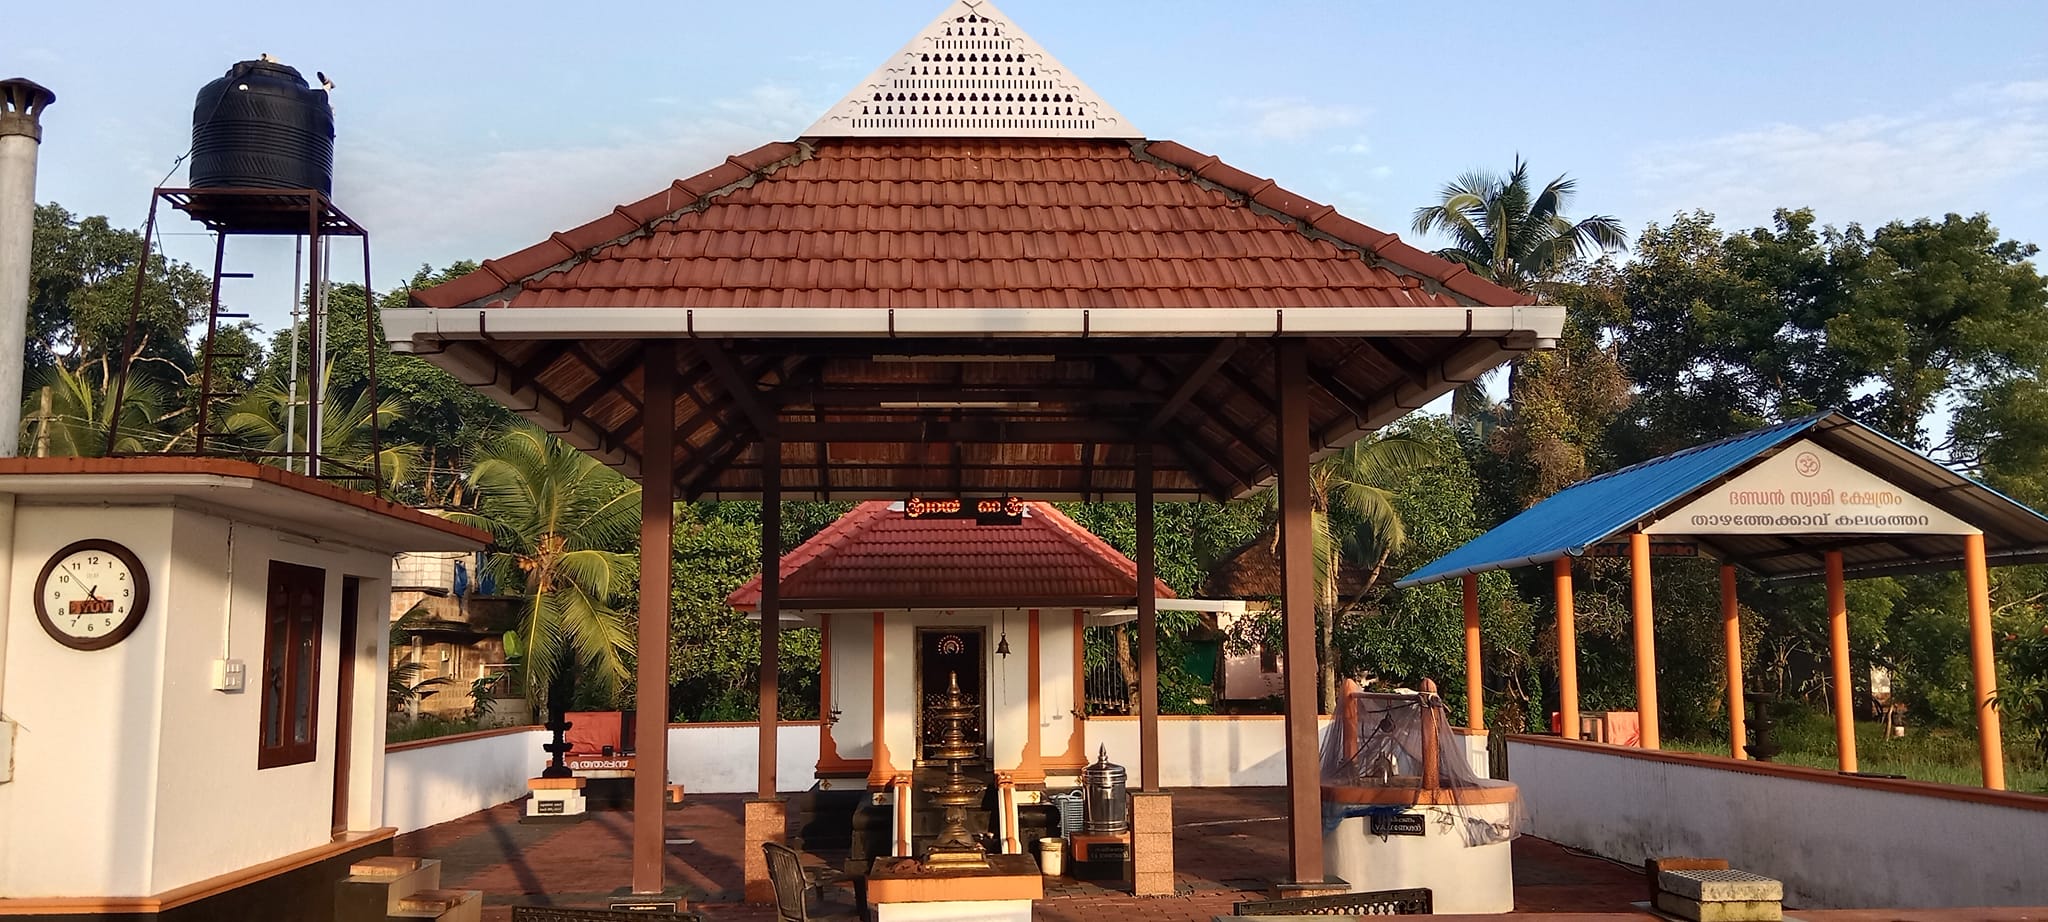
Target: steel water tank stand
232, 212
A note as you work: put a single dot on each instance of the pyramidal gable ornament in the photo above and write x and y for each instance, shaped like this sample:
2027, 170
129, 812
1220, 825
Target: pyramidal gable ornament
972, 74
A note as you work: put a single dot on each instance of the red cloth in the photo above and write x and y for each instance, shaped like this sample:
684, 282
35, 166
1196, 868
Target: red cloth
591, 731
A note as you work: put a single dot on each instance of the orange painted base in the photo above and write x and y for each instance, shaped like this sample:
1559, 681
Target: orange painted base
1008, 877
1083, 843
1406, 792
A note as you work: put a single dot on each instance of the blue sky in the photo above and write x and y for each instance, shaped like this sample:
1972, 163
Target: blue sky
471, 130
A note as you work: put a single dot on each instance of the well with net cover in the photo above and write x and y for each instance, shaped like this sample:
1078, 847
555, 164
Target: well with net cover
1403, 807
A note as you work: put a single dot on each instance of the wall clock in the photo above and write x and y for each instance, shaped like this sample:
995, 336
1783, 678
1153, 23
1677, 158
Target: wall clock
91, 594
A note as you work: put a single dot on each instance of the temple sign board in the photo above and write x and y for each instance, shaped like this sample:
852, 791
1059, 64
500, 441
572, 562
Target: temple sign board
1807, 489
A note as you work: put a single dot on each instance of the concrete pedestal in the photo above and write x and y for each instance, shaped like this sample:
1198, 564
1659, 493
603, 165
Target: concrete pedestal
1465, 878
767, 820
555, 800
1152, 843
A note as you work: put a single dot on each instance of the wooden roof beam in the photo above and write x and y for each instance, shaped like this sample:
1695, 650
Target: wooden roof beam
548, 354
874, 395
1193, 382
745, 392
713, 465
608, 380
1184, 447
1250, 440
1353, 402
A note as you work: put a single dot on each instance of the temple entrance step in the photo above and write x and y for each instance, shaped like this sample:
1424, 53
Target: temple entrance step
442, 906
374, 886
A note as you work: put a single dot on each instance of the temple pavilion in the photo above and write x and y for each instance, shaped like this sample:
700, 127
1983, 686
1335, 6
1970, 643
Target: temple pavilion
972, 277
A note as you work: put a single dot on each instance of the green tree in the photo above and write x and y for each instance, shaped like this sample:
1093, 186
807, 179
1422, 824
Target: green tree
1503, 228
449, 424
1404, 636
69, 414
715, 650
555, 516
268, 421
81, 290
1356, 521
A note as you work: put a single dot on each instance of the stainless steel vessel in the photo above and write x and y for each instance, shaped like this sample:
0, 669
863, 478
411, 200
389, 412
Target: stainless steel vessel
1108, 805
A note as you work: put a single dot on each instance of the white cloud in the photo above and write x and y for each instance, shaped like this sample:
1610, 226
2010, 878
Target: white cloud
1359, 147
1290, 118
2017, 92
1872, 168
438, 200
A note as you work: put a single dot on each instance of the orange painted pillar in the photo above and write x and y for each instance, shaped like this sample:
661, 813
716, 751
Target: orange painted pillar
1475, 688
1567, 650
1645, 637
1432, 748
1731, 640
1347, 718
1984, 671
1838, 660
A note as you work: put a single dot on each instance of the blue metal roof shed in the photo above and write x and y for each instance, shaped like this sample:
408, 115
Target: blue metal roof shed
1610, 506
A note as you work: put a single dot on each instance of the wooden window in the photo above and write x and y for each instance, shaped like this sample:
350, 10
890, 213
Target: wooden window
293, 618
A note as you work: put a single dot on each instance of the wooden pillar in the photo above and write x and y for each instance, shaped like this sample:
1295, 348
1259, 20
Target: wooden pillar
1983, 670
1731, 645
1567, 650
771, 609
657, 524
1838, 661
1645, 638
1475, 685
1298, 616
1148, 628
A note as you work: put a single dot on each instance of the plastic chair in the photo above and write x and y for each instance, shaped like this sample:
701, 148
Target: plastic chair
793, 883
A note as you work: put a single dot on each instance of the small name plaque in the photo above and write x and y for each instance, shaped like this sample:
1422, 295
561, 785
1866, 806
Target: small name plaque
1399, 824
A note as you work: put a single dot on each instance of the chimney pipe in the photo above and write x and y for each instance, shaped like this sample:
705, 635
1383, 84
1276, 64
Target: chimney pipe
21, 134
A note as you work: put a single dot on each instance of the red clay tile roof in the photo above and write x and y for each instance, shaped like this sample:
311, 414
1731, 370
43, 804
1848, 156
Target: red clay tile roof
875, 557
849, 222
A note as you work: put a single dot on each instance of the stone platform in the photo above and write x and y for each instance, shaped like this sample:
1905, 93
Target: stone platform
902, 890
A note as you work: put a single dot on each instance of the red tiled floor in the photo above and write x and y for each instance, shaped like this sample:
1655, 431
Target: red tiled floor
1229, 844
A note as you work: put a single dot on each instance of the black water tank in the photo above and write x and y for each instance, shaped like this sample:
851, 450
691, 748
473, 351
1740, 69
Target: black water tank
261, 126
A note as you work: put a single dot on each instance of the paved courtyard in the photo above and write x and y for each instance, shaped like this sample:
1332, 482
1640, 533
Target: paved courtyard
1228, 842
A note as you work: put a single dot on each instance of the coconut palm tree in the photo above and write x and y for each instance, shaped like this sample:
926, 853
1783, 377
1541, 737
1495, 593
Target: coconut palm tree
1355, 526
1357, 486
69, 415
262, 417
1516, 236
553, 514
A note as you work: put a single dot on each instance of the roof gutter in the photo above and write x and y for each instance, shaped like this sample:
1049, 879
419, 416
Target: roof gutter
423, 329
1475, 569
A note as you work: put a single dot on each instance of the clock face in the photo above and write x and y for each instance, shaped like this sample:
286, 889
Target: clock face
91, 594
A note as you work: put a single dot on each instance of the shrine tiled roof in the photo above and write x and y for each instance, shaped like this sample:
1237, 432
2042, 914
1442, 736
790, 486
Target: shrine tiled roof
877, 557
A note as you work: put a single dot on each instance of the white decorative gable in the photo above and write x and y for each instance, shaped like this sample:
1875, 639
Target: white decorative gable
972, 74
1808, 490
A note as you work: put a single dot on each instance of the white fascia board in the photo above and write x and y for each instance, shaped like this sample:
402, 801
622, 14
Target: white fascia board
421, 329
1128, 615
